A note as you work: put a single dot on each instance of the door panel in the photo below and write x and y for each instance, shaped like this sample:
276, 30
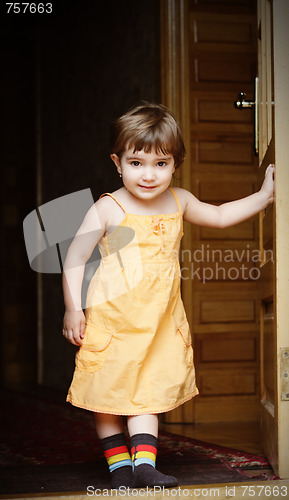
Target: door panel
222, 58
215, 51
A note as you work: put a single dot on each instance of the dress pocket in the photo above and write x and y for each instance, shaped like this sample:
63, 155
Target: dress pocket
91, 355
184, 331
181, 321
186, 339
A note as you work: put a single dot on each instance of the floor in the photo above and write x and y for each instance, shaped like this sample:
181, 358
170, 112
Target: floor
241, 436
244, 436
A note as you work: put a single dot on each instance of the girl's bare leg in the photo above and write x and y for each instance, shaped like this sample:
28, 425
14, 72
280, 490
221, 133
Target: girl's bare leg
143, 424
107, 425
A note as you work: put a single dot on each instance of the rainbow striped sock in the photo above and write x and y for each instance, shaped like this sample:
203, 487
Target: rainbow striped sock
143, 450
118, 459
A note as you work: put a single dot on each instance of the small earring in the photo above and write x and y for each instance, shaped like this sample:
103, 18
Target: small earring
120, 175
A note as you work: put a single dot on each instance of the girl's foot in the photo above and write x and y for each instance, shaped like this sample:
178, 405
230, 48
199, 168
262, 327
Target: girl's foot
122, 477
147, 475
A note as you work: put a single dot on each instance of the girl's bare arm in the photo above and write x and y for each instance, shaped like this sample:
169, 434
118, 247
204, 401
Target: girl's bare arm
231, 213
80, 250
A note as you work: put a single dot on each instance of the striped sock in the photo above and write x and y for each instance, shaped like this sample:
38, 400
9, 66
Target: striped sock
118, 460
144, 452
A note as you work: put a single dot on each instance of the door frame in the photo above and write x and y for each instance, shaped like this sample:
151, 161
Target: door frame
175, 90
281, 125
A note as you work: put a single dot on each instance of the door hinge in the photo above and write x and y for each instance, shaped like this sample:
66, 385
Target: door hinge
284, 355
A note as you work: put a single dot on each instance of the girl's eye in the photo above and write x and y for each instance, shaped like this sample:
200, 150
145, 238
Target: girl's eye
135, 163
161, 163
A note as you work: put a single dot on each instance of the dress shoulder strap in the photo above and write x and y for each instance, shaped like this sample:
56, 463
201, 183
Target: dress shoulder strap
115, 199
177, 199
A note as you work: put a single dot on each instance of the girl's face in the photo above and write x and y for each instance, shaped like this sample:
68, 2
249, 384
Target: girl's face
145, 175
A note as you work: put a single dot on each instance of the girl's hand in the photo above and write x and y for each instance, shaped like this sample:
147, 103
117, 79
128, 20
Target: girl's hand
268, 185
73, 326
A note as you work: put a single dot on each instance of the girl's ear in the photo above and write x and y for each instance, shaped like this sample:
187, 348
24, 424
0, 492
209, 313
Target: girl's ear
116, 161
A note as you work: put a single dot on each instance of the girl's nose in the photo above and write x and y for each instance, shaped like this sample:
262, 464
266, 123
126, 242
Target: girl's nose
148, 174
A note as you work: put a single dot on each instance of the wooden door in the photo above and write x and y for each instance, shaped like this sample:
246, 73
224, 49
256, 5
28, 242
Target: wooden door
221, 344
273, 73
213, 50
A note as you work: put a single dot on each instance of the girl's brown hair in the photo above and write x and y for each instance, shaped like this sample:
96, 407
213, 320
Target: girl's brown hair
148, 127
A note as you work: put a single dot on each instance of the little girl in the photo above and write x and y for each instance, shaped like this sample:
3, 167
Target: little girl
135, 357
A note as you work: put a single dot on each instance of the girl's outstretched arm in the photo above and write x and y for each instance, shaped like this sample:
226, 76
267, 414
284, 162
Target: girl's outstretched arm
233, 212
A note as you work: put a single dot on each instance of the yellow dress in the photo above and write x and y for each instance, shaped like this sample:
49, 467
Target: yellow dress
136, 355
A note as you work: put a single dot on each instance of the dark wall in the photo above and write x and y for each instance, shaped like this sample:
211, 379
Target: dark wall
17, 145
97, 61
94, 60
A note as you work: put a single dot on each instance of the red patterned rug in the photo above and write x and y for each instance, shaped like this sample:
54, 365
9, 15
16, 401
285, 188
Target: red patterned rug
49, 446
